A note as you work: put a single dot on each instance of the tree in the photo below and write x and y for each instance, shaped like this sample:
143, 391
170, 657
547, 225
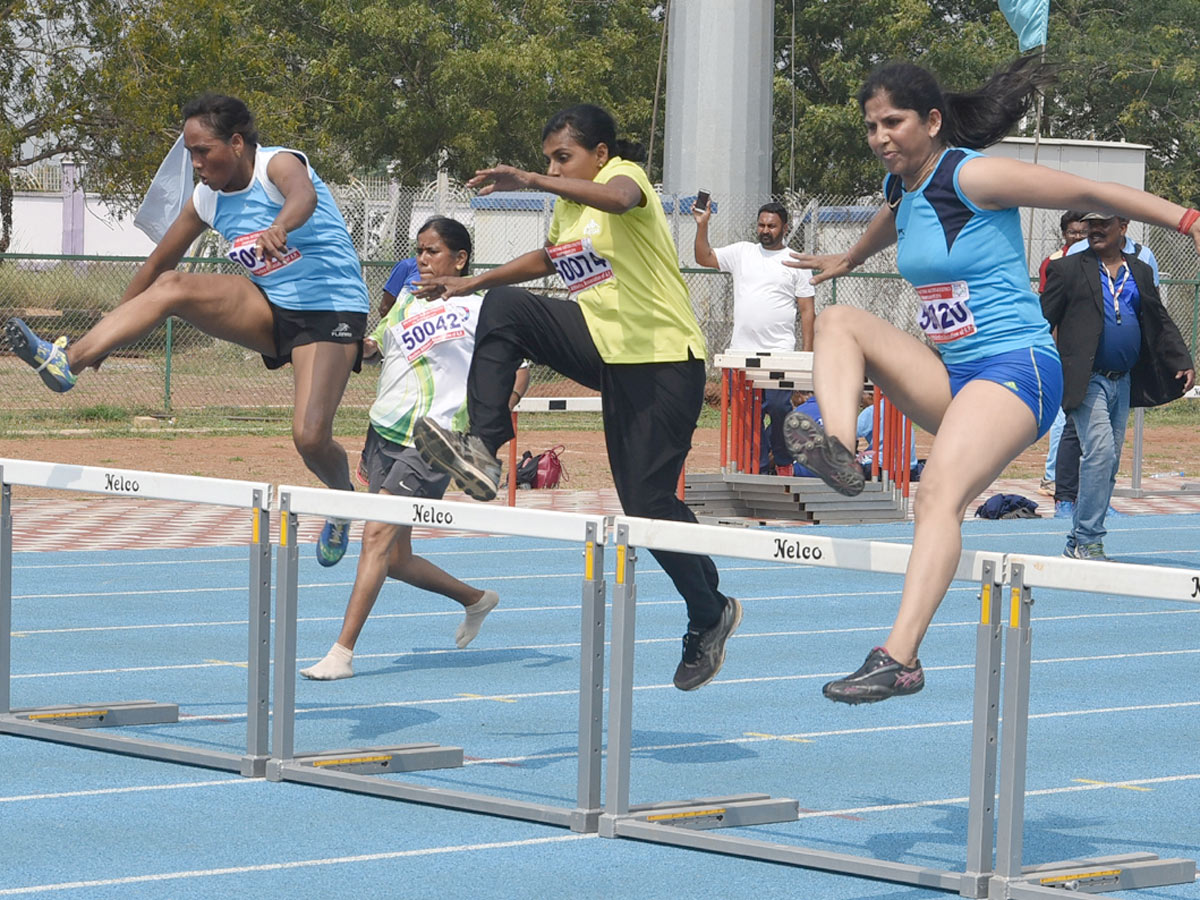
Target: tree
46, 78
358, 84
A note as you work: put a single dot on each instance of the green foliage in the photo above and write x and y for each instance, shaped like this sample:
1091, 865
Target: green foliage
363, 83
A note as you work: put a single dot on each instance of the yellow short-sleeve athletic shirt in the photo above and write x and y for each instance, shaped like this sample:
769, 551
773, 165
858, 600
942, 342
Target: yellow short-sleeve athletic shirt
624, 272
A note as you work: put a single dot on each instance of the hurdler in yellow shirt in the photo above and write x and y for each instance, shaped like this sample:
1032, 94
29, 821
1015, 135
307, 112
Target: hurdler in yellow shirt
642, 313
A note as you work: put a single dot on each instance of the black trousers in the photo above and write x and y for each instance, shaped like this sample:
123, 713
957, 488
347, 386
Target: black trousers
649, 410
1066, 464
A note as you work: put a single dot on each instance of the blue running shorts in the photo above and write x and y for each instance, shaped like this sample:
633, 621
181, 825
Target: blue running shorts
1032, 373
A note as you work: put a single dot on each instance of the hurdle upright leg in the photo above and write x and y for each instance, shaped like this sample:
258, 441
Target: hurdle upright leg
591, 686
620, 686
1095, 875
283, 746
981, 806
5, 596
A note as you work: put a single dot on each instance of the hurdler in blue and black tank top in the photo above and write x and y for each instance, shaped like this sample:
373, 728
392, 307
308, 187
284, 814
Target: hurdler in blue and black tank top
968, 266
321, 268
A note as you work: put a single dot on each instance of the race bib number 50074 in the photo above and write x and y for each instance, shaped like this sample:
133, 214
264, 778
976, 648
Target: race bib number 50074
946, 311
243, 252
579, 265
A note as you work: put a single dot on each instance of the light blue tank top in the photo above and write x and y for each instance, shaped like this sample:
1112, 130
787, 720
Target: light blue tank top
968, 266
322, 271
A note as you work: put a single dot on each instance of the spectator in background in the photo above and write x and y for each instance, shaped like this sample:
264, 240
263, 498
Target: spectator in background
1066, 454
1119, 346
1074, 230
766, 296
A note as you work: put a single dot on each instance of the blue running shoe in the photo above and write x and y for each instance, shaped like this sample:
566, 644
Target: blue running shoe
1064, 509
48, 360
331, 546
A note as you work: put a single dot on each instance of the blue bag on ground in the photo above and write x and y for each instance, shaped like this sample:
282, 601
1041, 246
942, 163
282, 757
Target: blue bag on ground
1007, 506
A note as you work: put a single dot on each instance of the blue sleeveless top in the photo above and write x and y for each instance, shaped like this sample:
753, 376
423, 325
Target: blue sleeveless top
321, 269
968, 266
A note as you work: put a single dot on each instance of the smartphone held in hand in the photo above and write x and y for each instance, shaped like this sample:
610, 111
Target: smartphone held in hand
702, 197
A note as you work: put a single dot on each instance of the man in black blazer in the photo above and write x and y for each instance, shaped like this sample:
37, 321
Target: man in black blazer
1119, 347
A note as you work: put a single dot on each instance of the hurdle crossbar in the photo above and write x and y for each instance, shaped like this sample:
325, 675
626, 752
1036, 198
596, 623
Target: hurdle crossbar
358, 769
74, 724
1112, 873
690, 820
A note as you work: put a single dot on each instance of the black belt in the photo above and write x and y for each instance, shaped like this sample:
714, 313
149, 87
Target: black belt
1111, 376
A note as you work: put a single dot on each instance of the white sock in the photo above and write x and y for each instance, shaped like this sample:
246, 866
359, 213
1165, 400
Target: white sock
476, 613
336, 664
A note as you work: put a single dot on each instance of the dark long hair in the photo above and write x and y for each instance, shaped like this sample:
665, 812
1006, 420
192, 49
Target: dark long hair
453, 233
590, 125
973, 119
224, 116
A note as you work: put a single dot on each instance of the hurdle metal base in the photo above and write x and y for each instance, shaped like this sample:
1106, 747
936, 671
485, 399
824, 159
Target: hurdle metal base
87, 735
706, 813
575, 819
102, 715
379, 760
1095, 875
769, 851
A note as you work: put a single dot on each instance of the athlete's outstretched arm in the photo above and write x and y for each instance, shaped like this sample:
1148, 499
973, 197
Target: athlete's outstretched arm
166, 256
994, 183
880, 233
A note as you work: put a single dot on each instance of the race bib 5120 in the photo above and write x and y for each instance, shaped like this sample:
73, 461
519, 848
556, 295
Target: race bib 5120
579, 265
946, 311
418, 333
242, 252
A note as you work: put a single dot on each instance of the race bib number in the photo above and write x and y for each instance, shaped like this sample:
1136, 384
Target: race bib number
579, 265
416, 334
946, 311
242, 252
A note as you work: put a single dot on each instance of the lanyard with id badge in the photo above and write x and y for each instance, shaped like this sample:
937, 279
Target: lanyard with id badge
946, 311
242, 251
1116, 289
579, 265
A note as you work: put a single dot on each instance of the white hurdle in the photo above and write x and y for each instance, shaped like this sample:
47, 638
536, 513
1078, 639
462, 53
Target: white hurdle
73, 724
686, 823
357, 769
1111, 873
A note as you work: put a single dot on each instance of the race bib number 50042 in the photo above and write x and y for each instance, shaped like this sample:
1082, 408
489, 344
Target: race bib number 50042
946, 311
579, 265
432, 326
243, 252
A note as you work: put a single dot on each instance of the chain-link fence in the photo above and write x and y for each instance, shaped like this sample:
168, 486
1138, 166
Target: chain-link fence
178, 367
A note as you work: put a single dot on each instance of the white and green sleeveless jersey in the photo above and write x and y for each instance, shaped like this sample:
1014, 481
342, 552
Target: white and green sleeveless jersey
426, 347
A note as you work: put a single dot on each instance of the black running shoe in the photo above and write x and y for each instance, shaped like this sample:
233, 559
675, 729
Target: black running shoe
704, 651
461, 455
825, 455
877, 679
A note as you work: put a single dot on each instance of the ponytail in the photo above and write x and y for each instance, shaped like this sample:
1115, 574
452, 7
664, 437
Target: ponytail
972, 119
590, 125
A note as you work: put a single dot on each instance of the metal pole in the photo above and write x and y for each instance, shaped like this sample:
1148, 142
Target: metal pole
591, 685
6, 533
167, 377
1015, 739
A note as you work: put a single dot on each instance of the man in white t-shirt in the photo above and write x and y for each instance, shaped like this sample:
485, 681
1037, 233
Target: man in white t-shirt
766, 295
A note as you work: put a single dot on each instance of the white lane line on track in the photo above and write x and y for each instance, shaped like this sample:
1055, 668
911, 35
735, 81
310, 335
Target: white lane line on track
575, 645
296, 864
524, 551
24, 632
182, 785
837, 732
953, 801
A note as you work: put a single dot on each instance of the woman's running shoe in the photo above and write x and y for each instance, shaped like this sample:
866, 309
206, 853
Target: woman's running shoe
461, 455
815, 450
877, 679
48, 360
